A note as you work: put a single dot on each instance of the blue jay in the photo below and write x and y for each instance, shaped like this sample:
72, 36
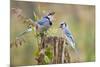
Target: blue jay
42, 25
46, 22
68, 35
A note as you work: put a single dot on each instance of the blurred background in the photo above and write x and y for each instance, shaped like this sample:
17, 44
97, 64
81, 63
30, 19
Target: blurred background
81, 21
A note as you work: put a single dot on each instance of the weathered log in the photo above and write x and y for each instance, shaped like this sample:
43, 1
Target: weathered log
60, 52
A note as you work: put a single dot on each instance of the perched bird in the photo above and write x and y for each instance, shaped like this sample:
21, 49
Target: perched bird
45, 23
41, 25
68, 35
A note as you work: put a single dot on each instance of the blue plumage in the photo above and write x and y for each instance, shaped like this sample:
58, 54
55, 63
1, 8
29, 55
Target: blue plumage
43, 21
69, 37
42, 25
68, 34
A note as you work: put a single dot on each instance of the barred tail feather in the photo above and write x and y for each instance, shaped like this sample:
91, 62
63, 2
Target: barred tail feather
23, 33
77, 53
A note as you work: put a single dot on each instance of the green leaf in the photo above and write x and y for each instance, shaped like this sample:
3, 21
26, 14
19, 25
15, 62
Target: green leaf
35, 16
46, 59
49, 53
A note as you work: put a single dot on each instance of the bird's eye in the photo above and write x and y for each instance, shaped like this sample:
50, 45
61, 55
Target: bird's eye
61, 24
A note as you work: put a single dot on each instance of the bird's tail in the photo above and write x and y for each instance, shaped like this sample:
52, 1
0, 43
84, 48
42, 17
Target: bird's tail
77, 53
24, 32
75, 49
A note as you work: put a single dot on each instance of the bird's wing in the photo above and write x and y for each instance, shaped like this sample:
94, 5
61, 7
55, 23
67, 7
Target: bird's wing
43, 21
69, 35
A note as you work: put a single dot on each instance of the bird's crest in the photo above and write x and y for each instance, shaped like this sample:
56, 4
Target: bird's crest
51, 13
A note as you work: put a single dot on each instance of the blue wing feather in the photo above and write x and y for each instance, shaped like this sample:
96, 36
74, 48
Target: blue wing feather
43, 21
69, 35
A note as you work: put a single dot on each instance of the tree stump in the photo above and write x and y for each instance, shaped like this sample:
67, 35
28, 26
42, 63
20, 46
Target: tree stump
60, 52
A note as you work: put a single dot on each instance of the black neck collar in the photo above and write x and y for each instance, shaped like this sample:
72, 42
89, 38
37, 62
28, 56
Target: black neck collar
50, 22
